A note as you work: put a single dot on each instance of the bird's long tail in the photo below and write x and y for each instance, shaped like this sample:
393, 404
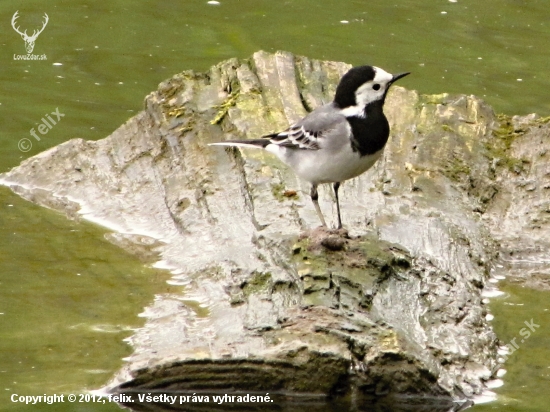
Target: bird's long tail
253, 143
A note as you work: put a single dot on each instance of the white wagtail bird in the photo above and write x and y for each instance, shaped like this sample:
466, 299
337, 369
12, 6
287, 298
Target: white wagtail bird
339, 140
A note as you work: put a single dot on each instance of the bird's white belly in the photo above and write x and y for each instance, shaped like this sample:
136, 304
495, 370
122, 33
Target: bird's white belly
320, 166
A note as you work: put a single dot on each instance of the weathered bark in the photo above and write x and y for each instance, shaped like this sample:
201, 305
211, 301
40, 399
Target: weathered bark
519, 215
269, 304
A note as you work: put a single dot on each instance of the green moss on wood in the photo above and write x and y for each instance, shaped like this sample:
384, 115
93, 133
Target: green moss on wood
281, 193
224, 107
456, 169
499, 146
349, 277
260, 282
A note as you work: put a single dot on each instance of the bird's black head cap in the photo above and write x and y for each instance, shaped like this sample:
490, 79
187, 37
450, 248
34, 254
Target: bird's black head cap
350, 82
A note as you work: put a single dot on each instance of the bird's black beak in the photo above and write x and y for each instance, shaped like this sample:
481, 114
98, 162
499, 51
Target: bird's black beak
398, 76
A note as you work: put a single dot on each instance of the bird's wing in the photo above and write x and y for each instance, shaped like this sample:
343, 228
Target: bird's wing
296, 137
309, 132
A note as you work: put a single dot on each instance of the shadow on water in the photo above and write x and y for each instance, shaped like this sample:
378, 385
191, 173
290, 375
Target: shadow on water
210, 402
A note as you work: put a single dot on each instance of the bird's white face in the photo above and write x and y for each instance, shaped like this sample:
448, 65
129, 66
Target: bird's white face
369, 92
375, 89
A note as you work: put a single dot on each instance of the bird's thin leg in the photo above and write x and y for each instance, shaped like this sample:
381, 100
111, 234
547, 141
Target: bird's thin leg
336, 187
315, 197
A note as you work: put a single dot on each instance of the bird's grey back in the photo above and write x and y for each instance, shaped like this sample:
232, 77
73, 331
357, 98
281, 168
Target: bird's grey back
327, 122
322, 118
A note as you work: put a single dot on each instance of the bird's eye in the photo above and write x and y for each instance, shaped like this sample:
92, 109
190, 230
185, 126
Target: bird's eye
376, 86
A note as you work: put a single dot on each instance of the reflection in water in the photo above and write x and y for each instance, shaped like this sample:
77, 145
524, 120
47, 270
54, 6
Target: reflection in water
154, 401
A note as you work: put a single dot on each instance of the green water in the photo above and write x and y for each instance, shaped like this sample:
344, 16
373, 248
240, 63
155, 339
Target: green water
67, 299
67, 296
528, 378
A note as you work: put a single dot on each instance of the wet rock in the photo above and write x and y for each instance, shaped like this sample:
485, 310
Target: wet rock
392, 305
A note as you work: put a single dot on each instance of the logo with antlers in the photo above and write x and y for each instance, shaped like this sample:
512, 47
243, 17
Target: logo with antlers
29, 40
